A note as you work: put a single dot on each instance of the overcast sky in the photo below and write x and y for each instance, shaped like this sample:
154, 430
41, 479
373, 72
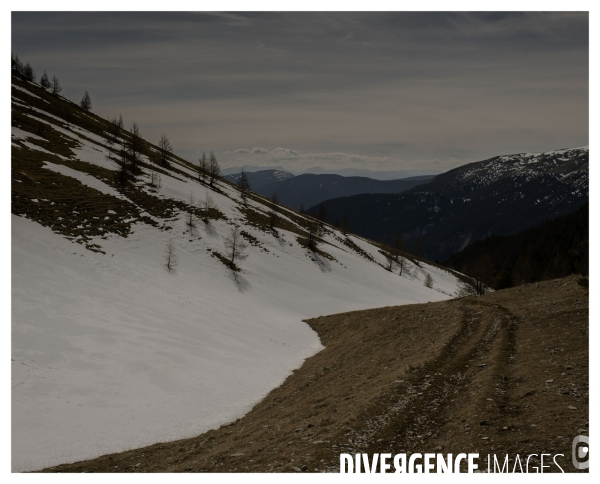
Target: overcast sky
413, 92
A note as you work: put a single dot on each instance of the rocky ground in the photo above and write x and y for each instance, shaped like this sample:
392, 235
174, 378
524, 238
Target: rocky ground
505, 373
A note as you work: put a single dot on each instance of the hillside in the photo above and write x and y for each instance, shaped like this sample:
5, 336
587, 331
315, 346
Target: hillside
110, 350
500, 196
555, 248
504, 373
310, 189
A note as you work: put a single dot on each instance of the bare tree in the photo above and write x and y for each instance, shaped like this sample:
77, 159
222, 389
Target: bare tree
205, 206
191, 216
235, 246
389, 261
86, 102
203, 167
165, 149
401, 264
428, 282
398, 246
322, 214
313, 231
214, 170
114, 130
45, 82
171, 258
301, 208
273, 212
120, 122
345, 225
244, 185
419, 248
56, 87
134, 149
155, 180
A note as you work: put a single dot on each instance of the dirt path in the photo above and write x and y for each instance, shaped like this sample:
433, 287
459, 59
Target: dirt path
505, 373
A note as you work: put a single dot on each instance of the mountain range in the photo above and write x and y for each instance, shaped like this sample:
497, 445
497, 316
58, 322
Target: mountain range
499, 196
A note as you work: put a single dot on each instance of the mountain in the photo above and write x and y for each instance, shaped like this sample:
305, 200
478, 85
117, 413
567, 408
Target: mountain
308, 190
552, 249
110, 349
258, 179
499, 196
377, 175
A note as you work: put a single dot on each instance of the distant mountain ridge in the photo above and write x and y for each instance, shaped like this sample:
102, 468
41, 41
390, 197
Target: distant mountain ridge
499, 196
258, 179
308, 190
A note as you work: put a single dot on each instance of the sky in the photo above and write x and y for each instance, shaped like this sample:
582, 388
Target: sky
403, 92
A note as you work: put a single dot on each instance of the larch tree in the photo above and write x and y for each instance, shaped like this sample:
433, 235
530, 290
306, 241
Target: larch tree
86, 102
419, 248
398, 246
206, 205
428, 282
56, 87
171, 258
166, 150
214, 170
345, 225
273, 211
235, 246
45, 82
203, 167
28, 72
134, 149
191, 216
244, 185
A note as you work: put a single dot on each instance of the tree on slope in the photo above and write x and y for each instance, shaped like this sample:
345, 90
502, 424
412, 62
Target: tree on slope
56, 87
45, 82
134, 149
166, 149
28, 72
206, 205
244, 185
428, 282
203, 167
191, 217
171, 258
235, 246
86, 102
214, 170
345, 225
273, 211
398, 246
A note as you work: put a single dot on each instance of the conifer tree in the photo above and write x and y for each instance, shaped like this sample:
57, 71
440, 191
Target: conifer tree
86, 102
165, 149
45, 81
56, 87
213, 169
244, 185
203, 167
28, 72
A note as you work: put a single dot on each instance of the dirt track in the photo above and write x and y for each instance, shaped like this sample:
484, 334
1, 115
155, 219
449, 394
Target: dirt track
506, 373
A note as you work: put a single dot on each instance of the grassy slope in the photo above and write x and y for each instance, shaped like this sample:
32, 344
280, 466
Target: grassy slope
503, 373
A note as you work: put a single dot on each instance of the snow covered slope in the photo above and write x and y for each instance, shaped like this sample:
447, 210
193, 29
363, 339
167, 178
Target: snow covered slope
110, 350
